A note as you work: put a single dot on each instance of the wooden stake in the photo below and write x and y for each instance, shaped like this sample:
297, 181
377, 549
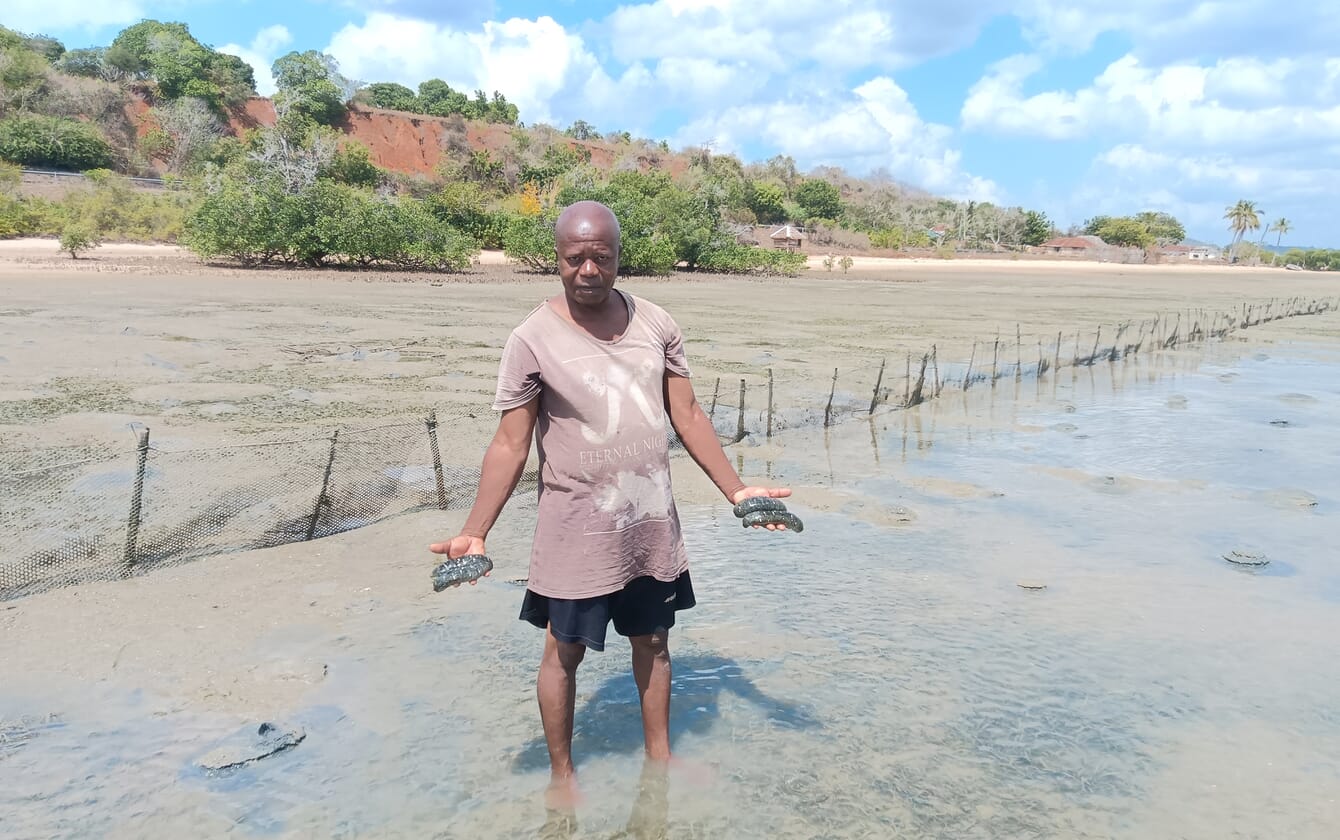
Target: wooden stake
437, 460
828, 410
321, 500
739, 430
879, 381
136, 500
769, 433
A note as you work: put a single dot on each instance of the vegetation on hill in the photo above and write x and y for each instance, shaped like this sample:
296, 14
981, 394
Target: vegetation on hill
157, 101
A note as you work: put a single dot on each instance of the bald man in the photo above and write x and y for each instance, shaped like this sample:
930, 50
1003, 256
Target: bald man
595, 371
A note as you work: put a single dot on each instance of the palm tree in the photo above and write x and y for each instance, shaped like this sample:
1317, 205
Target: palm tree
1281, 227
1242, 217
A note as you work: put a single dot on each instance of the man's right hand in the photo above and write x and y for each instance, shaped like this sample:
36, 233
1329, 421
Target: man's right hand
459, 546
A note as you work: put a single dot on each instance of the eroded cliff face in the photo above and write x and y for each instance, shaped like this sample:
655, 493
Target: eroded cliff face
414, 144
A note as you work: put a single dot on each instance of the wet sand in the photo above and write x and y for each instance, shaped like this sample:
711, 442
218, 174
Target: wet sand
1143, 693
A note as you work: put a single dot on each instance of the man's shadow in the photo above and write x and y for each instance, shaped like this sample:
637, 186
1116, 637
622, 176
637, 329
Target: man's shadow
610, 722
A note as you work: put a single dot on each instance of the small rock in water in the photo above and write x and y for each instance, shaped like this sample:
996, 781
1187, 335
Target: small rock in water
247, 746
1246, 558
1281, 423
1177, 401
1032, 585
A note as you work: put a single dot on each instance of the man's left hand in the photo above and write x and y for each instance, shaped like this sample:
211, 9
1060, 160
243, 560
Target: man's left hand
774, 492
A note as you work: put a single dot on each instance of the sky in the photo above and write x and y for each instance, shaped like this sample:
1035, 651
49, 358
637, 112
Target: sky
1073, 107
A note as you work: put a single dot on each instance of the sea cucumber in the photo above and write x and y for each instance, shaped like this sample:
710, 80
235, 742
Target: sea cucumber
758, 503
460, 570
778, 517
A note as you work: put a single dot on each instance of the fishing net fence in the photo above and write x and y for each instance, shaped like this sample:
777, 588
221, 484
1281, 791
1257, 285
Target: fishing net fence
83, 513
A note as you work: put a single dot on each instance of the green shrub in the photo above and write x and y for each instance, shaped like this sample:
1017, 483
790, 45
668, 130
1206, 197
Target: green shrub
76, 237
748, 259
113, 209
33, 140
255, 221
530, 241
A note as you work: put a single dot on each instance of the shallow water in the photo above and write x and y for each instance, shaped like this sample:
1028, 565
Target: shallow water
882, 674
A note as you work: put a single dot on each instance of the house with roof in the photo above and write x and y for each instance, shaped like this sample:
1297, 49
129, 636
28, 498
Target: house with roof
787, 238
1074, 246
1191, 253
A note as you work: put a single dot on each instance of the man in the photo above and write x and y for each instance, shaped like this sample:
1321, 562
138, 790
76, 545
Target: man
597, 370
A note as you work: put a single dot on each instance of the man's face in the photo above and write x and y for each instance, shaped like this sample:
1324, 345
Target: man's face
588, 264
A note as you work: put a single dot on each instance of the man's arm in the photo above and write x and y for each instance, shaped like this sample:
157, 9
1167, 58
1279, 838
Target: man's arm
694, 428
503, 463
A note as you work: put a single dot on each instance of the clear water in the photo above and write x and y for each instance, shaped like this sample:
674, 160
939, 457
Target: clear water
882, 674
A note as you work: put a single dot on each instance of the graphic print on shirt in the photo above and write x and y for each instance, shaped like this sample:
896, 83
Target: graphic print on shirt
631, 393
619, 386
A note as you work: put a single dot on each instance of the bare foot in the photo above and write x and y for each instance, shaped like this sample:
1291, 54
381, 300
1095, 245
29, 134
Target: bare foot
699, 774
563, 794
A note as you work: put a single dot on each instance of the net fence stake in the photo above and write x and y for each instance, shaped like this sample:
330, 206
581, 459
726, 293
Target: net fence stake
828, 409
769, 403
879, 381
739, 431
437, 460
321, 500
716, 392
137, 500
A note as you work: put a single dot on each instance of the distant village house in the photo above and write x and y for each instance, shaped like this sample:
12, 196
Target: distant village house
1195, 253
787, 238
1073, 246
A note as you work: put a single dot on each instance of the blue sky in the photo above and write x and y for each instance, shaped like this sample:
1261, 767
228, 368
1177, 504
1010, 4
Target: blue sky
1075, 107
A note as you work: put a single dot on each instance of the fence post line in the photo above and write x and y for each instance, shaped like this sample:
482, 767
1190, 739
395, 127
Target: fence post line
769, 433
137, 500
1096, 338
967, 377
321, 500
1056, 366
716, 392
437, 459
739, 431
879, 381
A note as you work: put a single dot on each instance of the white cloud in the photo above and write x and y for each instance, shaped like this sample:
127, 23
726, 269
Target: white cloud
547, 71
34, 16
1237, 103
777, 35
1197, 187
261, 55
1164, 31
876, 127
531, 62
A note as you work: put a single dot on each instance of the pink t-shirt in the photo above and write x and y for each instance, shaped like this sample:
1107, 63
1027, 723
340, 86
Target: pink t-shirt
606, 512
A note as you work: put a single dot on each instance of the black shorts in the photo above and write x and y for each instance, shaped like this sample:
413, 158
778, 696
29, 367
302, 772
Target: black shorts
641, 608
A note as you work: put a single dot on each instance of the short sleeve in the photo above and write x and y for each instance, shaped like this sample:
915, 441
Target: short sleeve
518, 375
676, 360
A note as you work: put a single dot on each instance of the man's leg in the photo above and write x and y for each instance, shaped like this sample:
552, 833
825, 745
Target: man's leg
556, 689
651, 671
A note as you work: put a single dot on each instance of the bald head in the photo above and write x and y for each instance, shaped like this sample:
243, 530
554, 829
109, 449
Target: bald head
587, 221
